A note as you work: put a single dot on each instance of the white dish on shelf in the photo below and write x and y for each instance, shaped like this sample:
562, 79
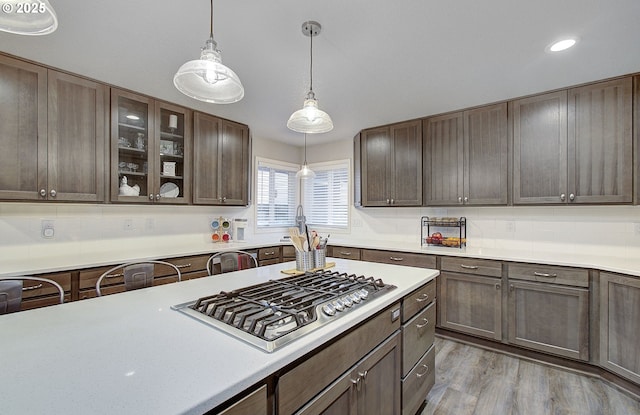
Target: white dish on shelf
170, 190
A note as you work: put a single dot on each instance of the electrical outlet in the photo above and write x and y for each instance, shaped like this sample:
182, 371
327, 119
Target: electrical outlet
47, 229
128, 225
511, 226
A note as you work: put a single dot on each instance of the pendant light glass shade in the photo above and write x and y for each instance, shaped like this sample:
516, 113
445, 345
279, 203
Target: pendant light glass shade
28, 17
305, 172
207, 79
310, 119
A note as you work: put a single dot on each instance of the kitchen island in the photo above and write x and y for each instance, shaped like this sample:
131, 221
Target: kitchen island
132, 353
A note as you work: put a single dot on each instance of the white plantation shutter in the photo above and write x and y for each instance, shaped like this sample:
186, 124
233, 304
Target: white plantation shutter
275, 194
326, 196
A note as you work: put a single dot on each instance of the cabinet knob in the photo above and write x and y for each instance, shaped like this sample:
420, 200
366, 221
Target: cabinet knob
572, 197
158, 196
466, 199
43, 192
388, 201
224, 199
563, 197
460, 199
393, 201
497, 286
150, 196
53, 193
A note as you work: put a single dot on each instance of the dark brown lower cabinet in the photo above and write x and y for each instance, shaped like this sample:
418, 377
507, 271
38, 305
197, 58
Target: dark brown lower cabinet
368, 388
549, 318
471, 304
255, 404
619, 327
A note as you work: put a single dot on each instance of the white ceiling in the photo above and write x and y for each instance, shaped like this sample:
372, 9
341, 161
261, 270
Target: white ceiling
375, 62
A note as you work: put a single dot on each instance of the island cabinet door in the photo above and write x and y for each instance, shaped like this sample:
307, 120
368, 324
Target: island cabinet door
619, 327
255, 404
550, 318
471, 304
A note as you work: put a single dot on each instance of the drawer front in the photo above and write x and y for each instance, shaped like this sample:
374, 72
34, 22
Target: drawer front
119, 288
417, 337
399, 258
89, 277
551, 274
269, 253
417, 384
346, 253
418, 300
29, 304
185, 265
472, 266
31, 289
288, 252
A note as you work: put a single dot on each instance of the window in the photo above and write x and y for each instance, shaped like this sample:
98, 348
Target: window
276, 186
326, 196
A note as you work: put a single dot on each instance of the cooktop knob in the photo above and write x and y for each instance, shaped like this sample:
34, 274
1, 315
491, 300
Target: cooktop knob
364, 294
329, 309
347, 301
338, 304
355, 297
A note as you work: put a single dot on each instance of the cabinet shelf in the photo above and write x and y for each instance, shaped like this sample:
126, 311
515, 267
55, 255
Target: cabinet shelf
131, 173
132, 127
171, 136
454, 232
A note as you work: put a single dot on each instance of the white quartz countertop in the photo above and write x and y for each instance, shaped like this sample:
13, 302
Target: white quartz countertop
131, 353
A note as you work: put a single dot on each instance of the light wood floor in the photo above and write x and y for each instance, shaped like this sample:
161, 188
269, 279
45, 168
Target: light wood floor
474, 381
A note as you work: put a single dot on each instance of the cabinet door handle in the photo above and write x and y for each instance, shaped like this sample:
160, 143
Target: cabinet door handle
269, 253
118, 275
572, 197
468, 266
53, 193
460, 199
511, 287
43, 193
345, 253
158, 196
563, 197
357, 383
34, 287
426, 323
363, 375
544, 274
150, 196
183, 266
388, 201
497, 286
224, 199
396, 258
422, 298
426, 371
393, 201
466, 199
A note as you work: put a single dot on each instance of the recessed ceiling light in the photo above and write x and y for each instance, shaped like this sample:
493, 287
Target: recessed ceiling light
562, 44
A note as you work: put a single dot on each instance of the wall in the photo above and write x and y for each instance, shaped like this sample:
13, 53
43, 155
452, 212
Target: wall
605, 230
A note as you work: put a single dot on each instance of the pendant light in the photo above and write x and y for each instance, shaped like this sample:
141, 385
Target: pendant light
310, 119
28, 18
207, 79
305, 172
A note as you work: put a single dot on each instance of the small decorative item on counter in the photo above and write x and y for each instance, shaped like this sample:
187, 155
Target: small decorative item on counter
443, 231
221, 230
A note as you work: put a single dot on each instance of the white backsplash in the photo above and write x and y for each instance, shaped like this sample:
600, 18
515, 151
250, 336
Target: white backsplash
602, 230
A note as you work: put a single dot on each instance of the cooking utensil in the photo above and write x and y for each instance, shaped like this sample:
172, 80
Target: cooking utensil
295, 239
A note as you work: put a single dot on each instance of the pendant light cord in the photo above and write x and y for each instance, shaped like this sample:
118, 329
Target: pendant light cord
310, 66
211, 23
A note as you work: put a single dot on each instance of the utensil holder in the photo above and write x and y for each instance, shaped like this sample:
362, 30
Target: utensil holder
304, 260
319, 258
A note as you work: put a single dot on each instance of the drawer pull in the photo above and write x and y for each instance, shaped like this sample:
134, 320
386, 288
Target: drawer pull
419, 375
396, 258
269, 253
468, 266
183, 266
117, 275
426, 323
544, 274
345, 253
423, 298
33, 287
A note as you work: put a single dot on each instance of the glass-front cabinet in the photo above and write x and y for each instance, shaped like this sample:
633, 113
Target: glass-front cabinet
150, 144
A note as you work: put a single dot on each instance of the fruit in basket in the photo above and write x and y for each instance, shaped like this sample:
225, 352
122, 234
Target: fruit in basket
429, 240
436, 236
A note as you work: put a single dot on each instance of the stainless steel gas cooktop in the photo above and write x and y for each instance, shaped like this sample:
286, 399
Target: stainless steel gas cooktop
274, 313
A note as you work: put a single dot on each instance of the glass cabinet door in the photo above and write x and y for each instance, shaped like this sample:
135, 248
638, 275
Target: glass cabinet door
131, 135
173, 179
